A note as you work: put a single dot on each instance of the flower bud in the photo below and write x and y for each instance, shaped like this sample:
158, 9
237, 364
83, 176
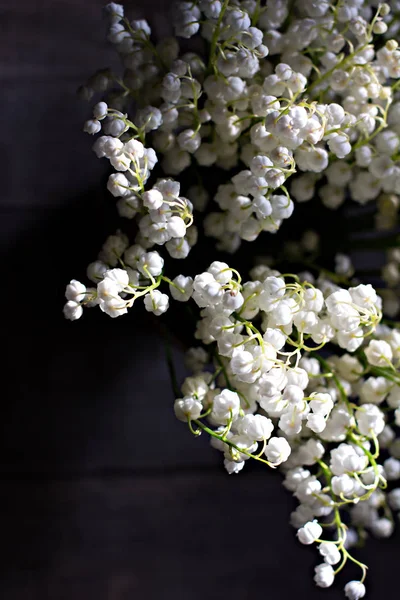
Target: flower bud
310, 532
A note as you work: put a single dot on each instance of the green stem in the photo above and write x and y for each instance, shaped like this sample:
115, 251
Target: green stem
227, 380
333, 276
381, 372
215, 36
226, 441
390, 322
339, 65
256, 14
339, 386
370, 457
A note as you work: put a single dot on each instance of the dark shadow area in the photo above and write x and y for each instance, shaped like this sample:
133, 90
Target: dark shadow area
65, 380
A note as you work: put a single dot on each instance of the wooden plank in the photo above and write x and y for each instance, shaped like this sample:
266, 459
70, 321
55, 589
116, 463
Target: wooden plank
93, 396
188, 536
61, 163
67, 38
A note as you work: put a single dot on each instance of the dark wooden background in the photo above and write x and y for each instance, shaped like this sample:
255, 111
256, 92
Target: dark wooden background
104, 495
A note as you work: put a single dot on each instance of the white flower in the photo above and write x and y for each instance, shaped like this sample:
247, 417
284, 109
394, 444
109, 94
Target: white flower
330, 553
181, 288
324, 575
96, 271
115, 124
92, 126
226, 406
149, 118
120, 162
393, 498
244, 447
316, 423
379, 353
176, 227
256, 427
339, 302
339, 145
110, 146
277, 450
354, 590
100, 111
156, 302
298, 377
75, 291
344, 459
220, 271
178, 247
196, 359
113, 306
189, 140
186, 24
370, 420
233, 300
133, 254
307, 489
115, 9
270, 127
118, 185
309, 532
207, 291
321, 403
187, 408
195, 386
152, 199
301, 515
343, 484
233, 466
311, 451
382, 527
119, 277
349, 367
374, 390
135, 150
392, 468
72, 310
242, 362
107, 289
150, 263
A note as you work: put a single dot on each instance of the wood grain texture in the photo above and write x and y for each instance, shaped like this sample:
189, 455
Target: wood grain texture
186, 536
177, 536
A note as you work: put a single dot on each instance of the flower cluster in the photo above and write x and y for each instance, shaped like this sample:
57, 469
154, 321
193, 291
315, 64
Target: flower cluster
286, 103
256, 100
271, 396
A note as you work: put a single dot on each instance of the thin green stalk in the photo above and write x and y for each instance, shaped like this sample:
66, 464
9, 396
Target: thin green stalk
215, 36
339, 386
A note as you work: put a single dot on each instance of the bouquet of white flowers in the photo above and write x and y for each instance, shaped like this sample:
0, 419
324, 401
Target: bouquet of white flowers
280, 104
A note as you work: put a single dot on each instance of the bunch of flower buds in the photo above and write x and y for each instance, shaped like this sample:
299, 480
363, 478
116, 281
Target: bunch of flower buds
267, 393
312, 93
285, 103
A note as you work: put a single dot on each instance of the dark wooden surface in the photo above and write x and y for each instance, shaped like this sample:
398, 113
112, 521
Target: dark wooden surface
103, 494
